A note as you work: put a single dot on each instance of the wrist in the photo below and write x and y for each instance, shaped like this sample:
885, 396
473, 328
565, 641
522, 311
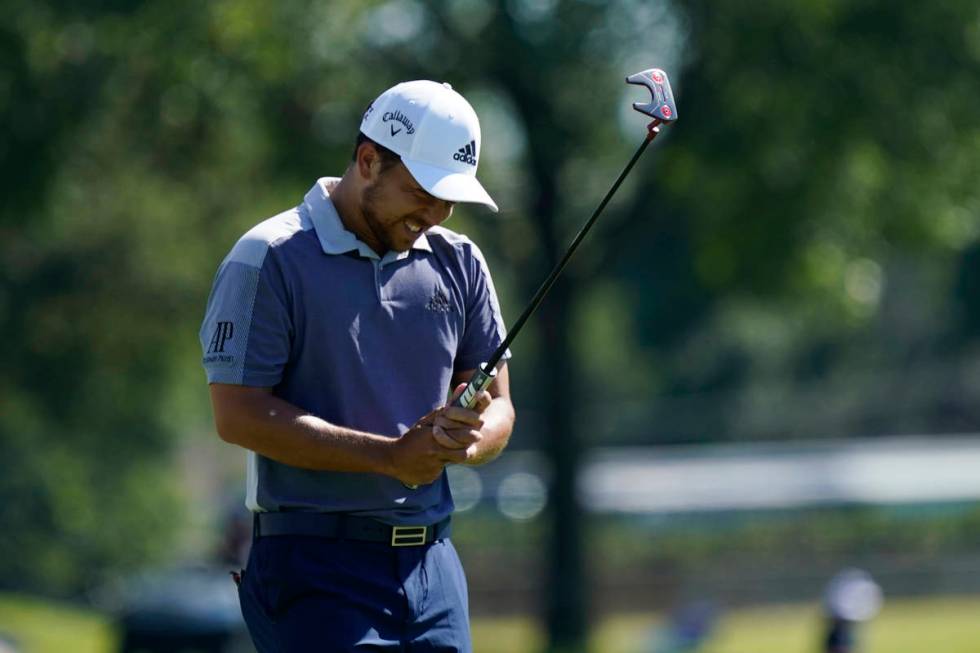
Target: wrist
386, 455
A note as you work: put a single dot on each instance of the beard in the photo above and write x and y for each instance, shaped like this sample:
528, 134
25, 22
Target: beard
369, 204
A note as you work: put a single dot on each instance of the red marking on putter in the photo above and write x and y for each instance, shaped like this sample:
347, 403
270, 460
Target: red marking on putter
657, 77
666, 111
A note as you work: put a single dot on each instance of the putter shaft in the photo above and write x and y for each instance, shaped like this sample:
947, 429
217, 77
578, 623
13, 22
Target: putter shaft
485, 375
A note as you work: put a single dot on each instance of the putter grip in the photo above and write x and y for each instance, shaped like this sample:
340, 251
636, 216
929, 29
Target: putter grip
479, 382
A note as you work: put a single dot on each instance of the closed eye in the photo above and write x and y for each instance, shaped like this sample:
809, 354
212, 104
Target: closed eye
419, 193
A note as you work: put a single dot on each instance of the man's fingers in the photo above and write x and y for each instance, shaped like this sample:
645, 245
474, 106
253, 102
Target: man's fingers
463, 435
482, 401
454, 418
447, 441
457, 456
456, 393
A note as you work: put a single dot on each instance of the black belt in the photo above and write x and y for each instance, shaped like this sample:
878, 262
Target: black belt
341, 526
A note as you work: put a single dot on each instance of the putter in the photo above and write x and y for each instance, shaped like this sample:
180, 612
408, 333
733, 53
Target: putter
662, 109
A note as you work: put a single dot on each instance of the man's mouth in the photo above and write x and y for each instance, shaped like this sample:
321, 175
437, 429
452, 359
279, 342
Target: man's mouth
414, 227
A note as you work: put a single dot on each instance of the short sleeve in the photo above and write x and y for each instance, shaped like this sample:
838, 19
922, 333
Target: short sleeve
247, 329
484, 330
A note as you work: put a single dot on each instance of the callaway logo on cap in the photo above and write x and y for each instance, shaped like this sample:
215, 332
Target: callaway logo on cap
437, 135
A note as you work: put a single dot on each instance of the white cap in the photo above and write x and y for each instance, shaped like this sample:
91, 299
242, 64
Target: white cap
437, 135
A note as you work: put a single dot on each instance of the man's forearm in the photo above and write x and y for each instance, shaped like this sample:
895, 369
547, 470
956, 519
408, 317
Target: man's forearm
281, 431
498, 422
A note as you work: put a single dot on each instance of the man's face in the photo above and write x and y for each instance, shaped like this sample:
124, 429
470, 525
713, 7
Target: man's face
397, 210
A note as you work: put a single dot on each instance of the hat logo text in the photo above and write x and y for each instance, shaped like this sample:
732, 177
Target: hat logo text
398, 116
467, 153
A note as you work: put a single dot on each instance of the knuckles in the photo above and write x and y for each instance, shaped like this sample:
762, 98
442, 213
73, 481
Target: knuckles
447, 435
457, 420
485, 400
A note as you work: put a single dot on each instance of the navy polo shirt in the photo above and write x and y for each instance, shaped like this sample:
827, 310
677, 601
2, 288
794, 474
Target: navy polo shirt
367, 342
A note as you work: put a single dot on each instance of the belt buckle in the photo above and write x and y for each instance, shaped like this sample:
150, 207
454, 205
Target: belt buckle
408, 535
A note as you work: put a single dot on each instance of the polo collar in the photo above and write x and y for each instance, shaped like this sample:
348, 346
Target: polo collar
334, 237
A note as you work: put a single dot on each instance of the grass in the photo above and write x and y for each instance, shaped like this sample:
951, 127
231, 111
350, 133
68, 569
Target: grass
941, 625
40, 626
932, 625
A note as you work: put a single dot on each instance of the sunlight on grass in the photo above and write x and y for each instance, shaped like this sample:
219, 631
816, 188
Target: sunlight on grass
41, 626
941, 625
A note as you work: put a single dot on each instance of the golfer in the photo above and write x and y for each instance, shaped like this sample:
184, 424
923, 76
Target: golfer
334, 334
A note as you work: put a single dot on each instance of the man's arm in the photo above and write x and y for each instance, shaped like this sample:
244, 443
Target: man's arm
497, 419
256, 419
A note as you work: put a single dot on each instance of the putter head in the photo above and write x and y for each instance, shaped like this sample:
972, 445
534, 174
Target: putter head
661, 106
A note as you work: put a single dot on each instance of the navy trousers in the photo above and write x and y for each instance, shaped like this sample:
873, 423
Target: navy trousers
304, 594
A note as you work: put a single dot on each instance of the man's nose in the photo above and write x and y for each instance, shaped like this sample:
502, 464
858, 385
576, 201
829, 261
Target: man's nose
438, 212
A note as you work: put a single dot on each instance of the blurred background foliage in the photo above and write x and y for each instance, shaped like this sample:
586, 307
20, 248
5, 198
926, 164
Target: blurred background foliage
798, 257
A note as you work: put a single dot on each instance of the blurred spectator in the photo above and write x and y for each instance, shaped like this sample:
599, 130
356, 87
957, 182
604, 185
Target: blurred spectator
852, 596
688, 629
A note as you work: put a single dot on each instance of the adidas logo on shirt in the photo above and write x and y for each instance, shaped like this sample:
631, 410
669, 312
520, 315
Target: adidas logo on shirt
439, 303
467, 154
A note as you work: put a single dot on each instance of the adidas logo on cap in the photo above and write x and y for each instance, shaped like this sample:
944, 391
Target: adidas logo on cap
467, 153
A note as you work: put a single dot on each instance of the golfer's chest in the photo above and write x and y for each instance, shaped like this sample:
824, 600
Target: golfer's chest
364, 296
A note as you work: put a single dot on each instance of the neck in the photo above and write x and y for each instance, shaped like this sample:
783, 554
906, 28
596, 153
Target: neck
346, 198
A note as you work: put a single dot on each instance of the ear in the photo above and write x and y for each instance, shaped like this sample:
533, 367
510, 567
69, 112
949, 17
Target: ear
367, 162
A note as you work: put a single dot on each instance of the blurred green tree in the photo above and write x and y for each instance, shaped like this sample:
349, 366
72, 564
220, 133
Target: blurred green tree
138, 141
802, 238
794, 256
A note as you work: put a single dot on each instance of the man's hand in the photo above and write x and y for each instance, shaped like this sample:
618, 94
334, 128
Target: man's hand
448, 434
417, 459
256, 419
454, 427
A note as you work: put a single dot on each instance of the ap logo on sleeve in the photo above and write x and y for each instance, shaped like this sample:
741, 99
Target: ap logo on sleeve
223, 332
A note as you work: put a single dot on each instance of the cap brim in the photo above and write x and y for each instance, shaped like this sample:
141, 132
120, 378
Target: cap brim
448, 185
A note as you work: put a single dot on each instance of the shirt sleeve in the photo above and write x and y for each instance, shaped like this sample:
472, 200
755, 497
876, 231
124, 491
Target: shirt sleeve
484, 330
247, 329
